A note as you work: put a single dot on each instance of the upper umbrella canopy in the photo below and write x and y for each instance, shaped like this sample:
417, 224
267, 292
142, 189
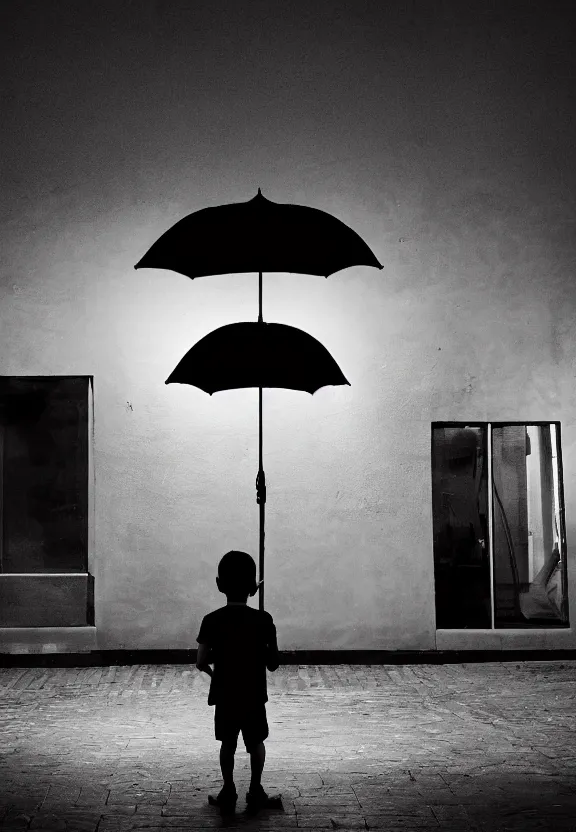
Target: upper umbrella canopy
258, 236
253, 354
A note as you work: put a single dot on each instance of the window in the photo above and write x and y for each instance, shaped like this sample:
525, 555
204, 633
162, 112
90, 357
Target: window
498, 521
44, 475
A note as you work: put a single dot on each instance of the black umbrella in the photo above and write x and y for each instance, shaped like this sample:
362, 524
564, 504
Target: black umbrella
259, 235
258, 354
250, 354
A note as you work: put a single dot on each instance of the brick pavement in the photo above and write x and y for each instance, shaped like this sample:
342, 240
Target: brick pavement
480, 747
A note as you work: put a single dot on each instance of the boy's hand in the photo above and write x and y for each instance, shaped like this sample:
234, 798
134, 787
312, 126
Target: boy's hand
202, 658
256, 588
272, 655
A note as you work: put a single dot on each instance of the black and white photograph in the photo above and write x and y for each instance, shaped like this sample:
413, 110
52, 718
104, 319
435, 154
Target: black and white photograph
288, 415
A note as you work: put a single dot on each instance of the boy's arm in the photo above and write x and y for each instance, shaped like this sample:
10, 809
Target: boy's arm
272, 655
202, 657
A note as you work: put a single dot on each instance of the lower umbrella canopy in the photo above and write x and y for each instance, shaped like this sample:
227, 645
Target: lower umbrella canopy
257, 354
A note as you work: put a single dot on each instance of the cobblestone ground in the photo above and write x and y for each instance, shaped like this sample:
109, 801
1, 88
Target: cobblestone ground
461, 747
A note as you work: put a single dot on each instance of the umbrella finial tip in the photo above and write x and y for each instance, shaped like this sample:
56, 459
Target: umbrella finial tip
259, 191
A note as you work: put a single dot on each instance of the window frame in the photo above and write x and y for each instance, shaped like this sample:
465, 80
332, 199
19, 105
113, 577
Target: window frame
488, 426
90, 477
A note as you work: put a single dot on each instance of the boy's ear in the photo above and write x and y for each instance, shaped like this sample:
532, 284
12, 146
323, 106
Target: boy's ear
255, 590
218, 583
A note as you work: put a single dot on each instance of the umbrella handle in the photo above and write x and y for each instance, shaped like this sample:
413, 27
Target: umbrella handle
260, 487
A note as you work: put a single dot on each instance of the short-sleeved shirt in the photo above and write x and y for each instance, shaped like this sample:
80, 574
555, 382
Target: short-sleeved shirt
242, 641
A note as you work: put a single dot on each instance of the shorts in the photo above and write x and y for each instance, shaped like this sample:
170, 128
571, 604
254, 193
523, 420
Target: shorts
229, 720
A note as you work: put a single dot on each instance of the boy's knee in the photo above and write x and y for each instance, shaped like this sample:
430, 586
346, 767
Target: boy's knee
229, 745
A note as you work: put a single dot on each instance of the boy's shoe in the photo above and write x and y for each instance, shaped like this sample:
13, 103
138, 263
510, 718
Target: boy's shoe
258, 799
225, 799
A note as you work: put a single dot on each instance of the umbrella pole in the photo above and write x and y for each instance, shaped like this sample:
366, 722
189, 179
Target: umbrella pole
260, 479
261, 499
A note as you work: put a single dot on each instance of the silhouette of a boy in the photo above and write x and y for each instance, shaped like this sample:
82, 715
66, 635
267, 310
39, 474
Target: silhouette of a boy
241, 643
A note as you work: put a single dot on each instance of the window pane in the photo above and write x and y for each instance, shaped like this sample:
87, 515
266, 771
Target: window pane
460, 521
529, 588
45, 474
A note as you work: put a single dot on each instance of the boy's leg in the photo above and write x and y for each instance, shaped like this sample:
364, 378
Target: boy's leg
257, 760
227, 797
227, 751
255, 731
256, 797
226, 730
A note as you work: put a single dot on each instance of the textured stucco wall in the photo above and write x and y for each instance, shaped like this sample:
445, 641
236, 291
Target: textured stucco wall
471, 318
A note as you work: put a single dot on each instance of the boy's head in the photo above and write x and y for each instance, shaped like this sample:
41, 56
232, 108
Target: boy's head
237, 576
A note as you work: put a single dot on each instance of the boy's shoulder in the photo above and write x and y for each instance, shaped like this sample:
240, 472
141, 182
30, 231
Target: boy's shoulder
228, 613
228, 609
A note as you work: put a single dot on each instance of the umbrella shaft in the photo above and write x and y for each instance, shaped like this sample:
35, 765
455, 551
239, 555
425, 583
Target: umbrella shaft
260, 319
259, 428
261, 481
260, 499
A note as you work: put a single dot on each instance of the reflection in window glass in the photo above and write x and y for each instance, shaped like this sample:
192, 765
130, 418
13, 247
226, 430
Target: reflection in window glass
529, 586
